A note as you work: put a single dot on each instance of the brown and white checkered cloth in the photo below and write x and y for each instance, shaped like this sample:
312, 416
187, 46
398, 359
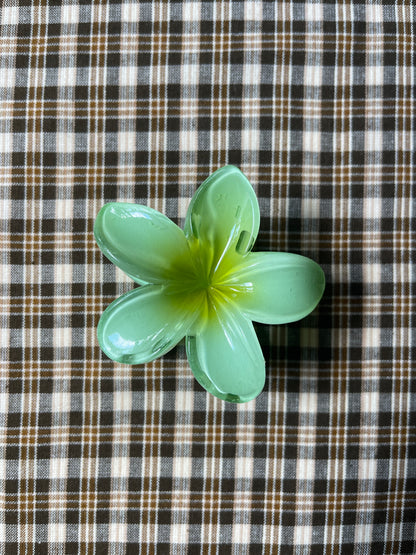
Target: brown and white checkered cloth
139, 102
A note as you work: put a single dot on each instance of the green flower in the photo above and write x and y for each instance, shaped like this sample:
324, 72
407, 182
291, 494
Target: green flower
203, 283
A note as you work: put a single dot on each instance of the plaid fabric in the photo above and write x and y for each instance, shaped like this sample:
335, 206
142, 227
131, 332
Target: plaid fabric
139, 102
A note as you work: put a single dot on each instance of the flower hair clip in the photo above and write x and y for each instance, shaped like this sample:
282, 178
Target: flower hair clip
202, 283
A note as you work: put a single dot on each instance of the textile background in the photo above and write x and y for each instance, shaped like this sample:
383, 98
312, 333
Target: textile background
140, 102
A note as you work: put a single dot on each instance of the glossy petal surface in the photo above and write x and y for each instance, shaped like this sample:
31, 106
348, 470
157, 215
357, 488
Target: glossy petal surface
144, 324
225, 356
143, 243
278, 287
223, 218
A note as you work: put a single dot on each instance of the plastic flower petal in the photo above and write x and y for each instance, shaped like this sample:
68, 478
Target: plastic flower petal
223, 219
204, 283
225, 356
279, 287
142, 242
145, 323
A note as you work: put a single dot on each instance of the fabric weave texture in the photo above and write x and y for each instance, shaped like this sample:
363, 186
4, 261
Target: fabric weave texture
104, 101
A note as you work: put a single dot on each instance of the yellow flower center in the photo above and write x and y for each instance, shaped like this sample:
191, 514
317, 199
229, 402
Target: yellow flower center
209, 282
